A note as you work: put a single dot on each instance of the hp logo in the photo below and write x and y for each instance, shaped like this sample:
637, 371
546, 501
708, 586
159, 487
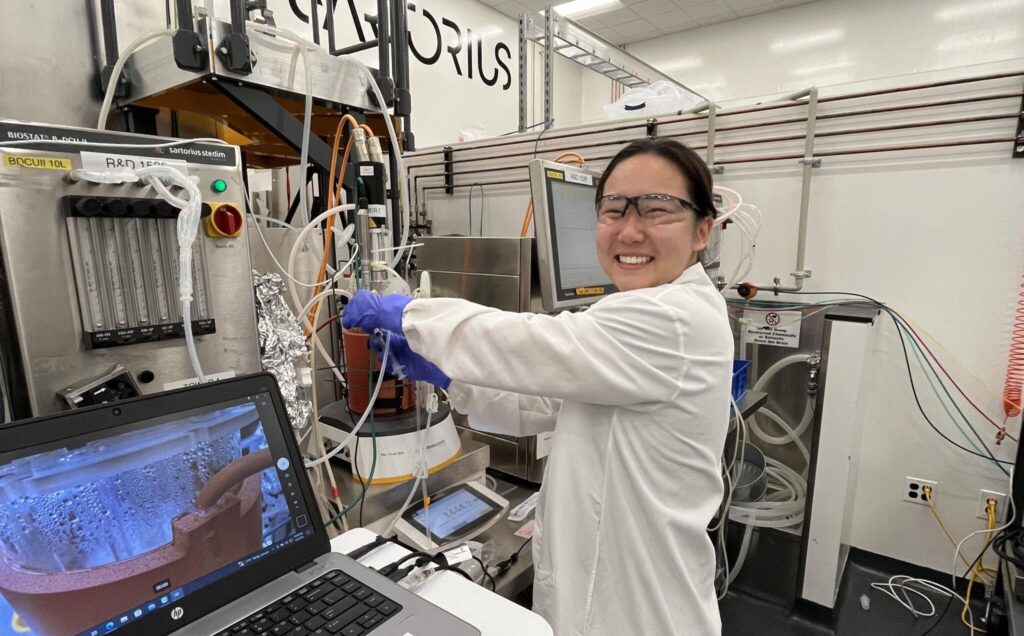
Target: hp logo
177, 613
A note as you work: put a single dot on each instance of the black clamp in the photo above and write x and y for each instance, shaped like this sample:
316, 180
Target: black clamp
190, 50
449, 174
652, 127
235, 53
1018, 144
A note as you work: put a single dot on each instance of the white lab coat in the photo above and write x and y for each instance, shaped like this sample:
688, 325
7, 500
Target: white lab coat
639, 388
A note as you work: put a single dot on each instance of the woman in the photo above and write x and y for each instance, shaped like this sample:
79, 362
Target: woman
638, 386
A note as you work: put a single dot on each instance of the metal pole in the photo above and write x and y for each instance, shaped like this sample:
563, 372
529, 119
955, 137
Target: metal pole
238, 13
805, 190
330, 26
523, 88
403, 98
549, 65
183, 12
383, 42
109, 31
356, 48
314, 20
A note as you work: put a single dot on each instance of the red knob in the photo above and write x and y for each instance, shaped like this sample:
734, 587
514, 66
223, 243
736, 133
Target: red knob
225, 222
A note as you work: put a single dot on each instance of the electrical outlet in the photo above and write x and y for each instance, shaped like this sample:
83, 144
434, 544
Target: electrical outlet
913, 490
983, 498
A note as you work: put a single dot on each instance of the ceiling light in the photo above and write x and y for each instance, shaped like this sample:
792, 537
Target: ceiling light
807, 41
683, 64
973, 8
584, 8
823, 67
977, 40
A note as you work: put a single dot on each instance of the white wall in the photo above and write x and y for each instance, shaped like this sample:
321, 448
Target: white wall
443, 101
939, 238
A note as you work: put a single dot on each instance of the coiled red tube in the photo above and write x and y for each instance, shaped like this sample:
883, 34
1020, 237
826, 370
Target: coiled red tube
1015, 365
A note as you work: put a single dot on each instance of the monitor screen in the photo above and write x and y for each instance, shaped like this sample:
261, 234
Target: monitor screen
119, 524
575, 236
570, 273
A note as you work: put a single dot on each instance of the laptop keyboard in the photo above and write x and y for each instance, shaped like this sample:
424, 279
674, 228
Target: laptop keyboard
332, 605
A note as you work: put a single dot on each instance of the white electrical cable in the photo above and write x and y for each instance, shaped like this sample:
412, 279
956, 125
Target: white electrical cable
324, 294
304, 318
420, 468
901, 582
1013, 517
115, 75
342, 236
369, 409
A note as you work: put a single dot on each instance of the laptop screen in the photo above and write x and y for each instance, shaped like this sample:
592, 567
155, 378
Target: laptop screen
102, 530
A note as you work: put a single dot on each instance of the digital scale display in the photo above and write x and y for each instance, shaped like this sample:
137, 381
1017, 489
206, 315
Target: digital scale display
453, 515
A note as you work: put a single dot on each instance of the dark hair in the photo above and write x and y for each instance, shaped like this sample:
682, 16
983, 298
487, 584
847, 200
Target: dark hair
689, 163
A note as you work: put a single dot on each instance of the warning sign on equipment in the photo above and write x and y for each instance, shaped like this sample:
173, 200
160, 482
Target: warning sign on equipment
775, 328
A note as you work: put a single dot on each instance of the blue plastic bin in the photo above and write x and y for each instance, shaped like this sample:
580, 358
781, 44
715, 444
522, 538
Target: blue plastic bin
740, 368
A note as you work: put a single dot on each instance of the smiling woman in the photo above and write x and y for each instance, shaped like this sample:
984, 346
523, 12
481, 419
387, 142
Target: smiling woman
636, 389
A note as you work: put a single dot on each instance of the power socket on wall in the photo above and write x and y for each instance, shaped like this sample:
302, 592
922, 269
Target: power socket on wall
913, 490
983, 498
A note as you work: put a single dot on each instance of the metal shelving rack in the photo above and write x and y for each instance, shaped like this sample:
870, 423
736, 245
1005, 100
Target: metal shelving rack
558, 34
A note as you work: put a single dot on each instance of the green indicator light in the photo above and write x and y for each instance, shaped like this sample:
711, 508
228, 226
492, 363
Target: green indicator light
219, 185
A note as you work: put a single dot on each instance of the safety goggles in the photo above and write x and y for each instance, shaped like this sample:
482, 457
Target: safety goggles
653, 208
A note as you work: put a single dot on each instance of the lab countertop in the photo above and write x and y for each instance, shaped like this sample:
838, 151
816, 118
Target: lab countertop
478, 606
505, 542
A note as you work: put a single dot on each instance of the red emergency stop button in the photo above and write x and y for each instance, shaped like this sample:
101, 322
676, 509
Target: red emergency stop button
225, 222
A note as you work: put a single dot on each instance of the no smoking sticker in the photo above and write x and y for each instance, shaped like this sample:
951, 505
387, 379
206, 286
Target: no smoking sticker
773, 328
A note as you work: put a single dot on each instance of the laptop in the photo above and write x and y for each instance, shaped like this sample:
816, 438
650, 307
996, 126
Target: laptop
186, 512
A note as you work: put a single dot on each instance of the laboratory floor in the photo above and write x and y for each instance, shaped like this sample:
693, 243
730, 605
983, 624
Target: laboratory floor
743, 615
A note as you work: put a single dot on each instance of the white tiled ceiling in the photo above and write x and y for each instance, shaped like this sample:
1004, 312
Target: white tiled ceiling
641, 20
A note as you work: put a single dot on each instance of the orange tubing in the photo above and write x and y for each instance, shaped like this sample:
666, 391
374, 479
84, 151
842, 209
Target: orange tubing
1015, 364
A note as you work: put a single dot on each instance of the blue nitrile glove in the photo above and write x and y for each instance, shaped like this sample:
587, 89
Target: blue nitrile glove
406, 363
370, 311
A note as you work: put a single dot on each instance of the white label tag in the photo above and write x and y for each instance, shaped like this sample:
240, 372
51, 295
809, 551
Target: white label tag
377, 211
579, 177
773, 328
544, 443
458, 555
524, 509
365, 171
211, 377
101, 161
